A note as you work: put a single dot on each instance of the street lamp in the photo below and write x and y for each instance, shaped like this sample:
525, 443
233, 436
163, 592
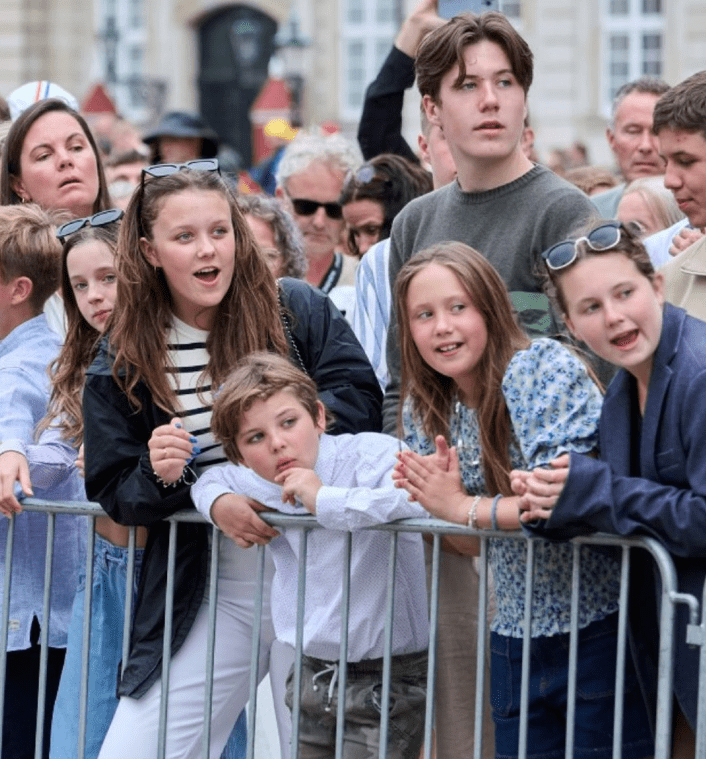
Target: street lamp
291, 47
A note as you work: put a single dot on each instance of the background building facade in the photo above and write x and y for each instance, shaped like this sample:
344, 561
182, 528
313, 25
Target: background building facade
215, 56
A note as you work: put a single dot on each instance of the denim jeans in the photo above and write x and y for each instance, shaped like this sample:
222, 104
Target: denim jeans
548, 692
106, 650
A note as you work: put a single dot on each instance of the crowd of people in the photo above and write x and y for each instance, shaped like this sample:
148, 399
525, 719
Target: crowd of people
379, 332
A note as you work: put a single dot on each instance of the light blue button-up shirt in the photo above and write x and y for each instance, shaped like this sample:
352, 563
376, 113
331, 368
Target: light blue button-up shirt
24, 391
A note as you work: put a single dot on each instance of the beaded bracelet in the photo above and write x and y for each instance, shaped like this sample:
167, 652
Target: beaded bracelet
473, 513
188, 476
494, 512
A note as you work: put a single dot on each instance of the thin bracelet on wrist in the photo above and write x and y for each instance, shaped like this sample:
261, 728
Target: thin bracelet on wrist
473, 513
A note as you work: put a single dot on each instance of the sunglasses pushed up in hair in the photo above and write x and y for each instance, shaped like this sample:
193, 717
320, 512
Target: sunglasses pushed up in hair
563, 254
167, 169
100, 219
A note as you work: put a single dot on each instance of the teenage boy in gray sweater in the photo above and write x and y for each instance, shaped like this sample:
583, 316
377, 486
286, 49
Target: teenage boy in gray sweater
473, 74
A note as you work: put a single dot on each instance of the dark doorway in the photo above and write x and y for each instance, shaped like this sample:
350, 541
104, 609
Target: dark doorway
235, 46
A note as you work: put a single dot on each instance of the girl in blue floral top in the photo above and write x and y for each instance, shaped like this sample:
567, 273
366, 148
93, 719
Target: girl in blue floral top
479, 399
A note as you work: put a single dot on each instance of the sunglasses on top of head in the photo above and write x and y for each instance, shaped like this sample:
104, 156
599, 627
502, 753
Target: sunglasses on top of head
167, 169
100, 219
602, 238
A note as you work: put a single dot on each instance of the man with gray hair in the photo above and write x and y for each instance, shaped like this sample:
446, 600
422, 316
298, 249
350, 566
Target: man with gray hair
310, 178
631, 138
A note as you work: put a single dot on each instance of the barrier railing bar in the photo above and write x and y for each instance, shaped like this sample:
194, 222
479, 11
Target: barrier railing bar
573, 651
662, 558
44, 637
255, 650
343, 651
86, 637
387, 655
129, 593
620, 653
481, 649
299, 639
526, 640
167, 641
433, 636
4, 630
211, 640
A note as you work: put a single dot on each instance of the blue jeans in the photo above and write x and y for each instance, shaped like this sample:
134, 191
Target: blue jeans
237, 746
548, 691
106, 651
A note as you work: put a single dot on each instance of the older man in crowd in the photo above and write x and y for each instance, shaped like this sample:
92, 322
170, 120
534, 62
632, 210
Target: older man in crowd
631, 138
310, 178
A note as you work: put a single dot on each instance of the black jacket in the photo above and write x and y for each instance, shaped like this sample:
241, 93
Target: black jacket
119, 475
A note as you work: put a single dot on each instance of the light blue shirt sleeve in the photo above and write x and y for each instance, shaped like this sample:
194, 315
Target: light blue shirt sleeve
553, 403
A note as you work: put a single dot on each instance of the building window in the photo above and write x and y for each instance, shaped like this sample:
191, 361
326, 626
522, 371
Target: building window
135, 19
368, 29
511, 8
633, 33
356, 11
356, 74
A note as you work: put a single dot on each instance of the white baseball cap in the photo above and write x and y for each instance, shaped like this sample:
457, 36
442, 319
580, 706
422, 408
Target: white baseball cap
32, 92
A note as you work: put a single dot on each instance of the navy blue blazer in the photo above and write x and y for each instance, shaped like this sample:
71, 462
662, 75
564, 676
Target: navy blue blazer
668, 500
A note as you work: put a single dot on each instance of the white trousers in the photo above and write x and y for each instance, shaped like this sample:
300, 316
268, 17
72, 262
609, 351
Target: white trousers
135, 727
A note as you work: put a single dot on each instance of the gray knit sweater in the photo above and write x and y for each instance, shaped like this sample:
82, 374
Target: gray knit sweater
510, 225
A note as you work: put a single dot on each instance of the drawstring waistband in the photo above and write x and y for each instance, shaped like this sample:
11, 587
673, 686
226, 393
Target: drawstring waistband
332, 669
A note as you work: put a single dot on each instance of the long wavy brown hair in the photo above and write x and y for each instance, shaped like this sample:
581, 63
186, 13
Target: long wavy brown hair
68, 370
431, 393
247, 319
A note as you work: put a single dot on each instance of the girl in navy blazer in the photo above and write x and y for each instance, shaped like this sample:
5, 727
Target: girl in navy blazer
651, 475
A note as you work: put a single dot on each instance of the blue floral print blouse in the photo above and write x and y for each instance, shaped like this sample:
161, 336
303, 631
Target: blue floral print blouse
554, 407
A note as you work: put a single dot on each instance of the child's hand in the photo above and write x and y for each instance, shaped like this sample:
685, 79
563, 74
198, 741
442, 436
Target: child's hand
434, 481
518, 481
441, 456
543, 488
171, 448
302, 484
236, 516
13, 468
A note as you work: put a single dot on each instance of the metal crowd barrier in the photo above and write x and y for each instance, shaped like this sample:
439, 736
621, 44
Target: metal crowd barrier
696, 633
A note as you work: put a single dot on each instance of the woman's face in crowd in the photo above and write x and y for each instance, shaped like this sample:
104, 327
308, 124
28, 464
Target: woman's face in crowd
58, 168
615, 310
449, 331
93, 277
633, 208
194, 244
364, 220
265, 237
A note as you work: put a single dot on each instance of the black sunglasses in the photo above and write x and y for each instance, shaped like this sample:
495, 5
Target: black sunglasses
167, 169
304, 207
99, 219
602, 238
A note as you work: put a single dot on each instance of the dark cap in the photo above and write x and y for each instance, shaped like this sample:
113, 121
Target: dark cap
182, 124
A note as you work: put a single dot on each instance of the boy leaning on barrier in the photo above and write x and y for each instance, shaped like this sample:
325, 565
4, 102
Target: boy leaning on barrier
272, 427
29, 274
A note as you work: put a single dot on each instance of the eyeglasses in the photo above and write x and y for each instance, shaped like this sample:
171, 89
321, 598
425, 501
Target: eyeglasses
100, 219
167, 169
304, 207
602, 238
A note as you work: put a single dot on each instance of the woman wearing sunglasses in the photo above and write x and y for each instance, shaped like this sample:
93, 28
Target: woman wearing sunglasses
651, 475
194, 296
